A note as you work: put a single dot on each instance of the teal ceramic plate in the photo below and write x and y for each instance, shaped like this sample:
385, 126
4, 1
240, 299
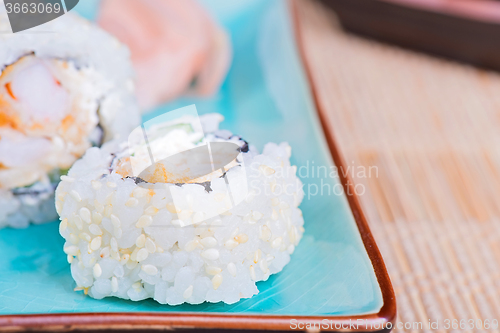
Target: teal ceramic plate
266, 97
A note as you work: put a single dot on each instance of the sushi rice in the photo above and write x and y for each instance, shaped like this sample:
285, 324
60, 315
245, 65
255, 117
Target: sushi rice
64, 86
205, 239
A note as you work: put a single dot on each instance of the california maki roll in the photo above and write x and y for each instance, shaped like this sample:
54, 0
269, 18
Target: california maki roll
158, 217
65, 86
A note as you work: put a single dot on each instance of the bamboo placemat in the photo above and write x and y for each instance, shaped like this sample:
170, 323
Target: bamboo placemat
432, 130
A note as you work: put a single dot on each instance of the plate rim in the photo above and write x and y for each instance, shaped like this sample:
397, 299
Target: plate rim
172, 320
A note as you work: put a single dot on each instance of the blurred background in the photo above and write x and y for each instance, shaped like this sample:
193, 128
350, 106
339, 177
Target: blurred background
410, 86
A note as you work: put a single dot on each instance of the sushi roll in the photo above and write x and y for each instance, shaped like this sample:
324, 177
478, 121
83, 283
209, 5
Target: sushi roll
147, 219
65, 86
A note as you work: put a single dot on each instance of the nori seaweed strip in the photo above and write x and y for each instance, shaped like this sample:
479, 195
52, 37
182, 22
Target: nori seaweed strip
28, 191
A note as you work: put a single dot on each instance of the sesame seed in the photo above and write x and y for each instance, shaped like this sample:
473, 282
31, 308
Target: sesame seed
241, 238
59, 207
139, 192
257, 215
137, 285
252, 273
140, 241
184, 215
276, 242
273, 185
85, 215
144, 221
151, 210
115, 255
257, 256
265, 233
99, 207
68, 179
216, 281
212, 270
191, 245
63, 225
131, 264
133, 255
77, 220
96, 243
70, 258
74, 194
275, 201
231, 244
159, 249
115, 221
61, 196
150, 245
114, 284
71, 250
188, 292
266, 170
111, 184
85, 236
96, 185
108, 209
74, 239
142, 254
149, 269
124, 258
274, 215
171, 208
293, 235
96, 218
109, 198
131, 202
208, 242
231, 268
114, 244
104, 252
210, 254
97, 270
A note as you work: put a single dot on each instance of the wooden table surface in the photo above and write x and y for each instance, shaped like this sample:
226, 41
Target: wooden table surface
431, 128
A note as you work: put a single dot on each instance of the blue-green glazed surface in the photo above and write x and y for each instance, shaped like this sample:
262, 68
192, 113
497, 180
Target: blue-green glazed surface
264, 98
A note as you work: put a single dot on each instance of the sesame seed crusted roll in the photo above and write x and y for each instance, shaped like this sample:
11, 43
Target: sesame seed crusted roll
64, 87
175, 233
